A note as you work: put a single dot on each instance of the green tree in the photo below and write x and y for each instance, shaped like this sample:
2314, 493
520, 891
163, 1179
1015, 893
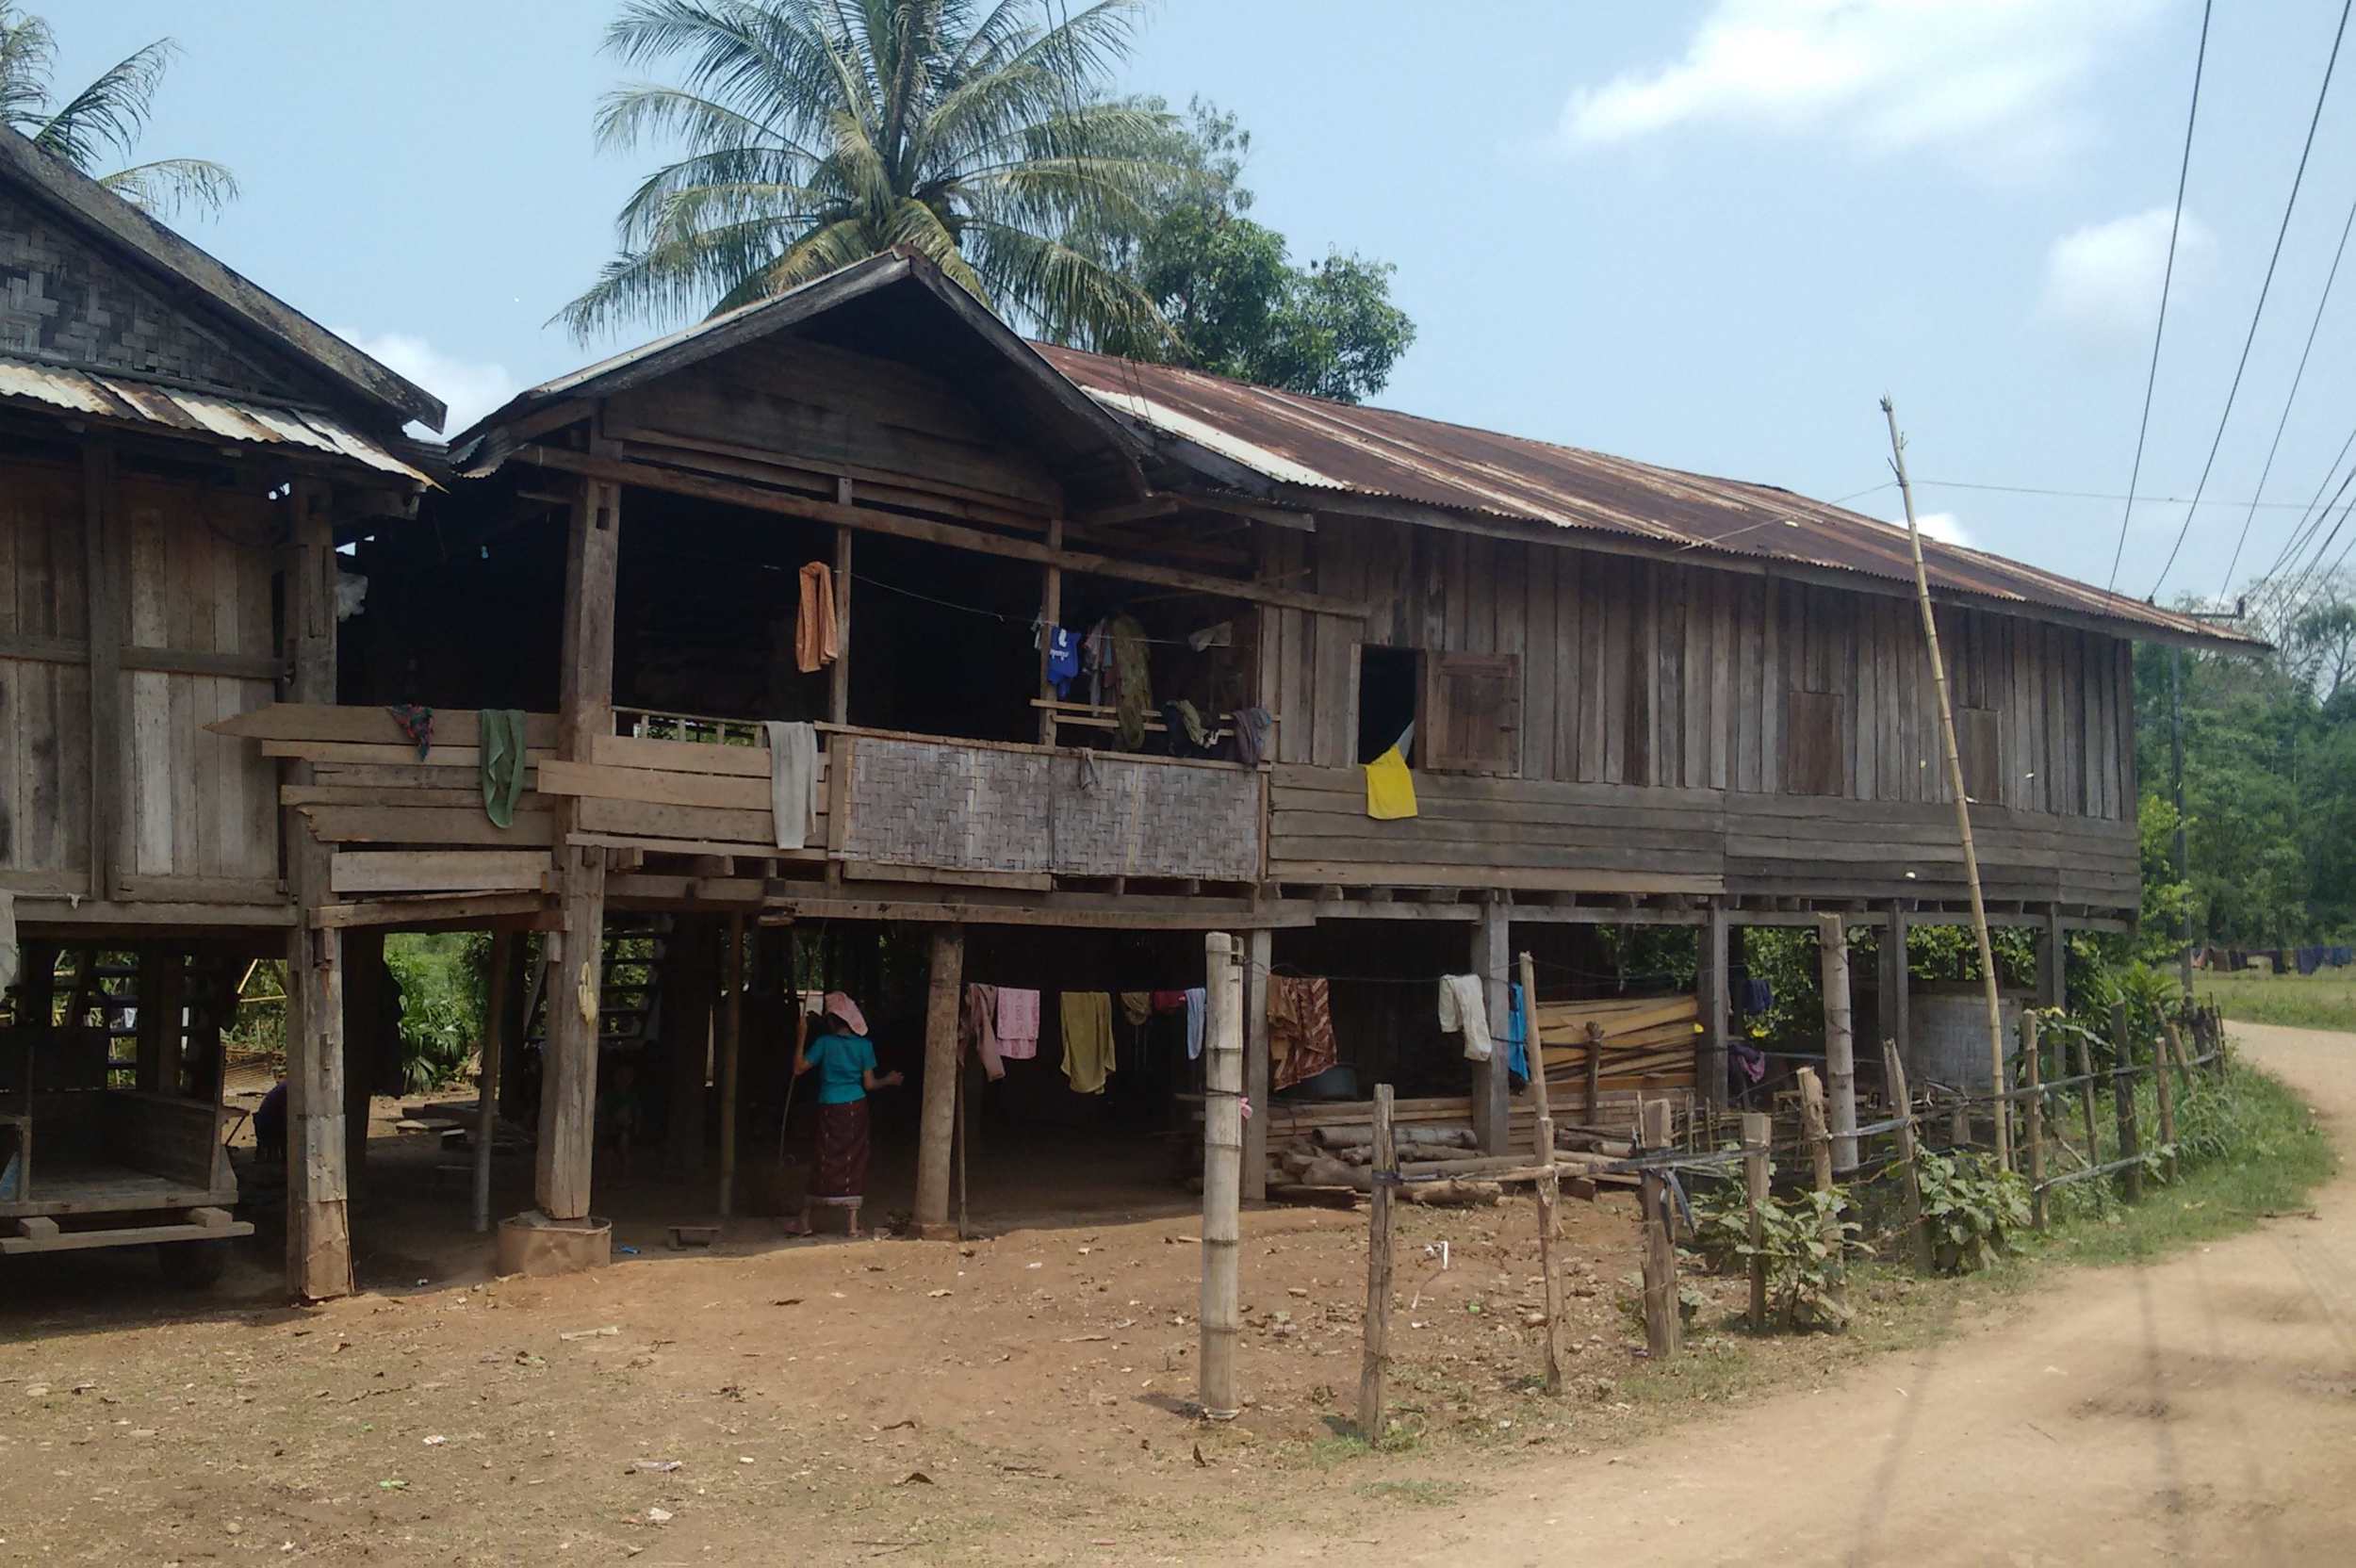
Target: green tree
103, 121
1230, 299
816, 133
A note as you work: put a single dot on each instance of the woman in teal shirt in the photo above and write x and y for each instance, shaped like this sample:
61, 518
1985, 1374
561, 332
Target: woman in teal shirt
845, 1060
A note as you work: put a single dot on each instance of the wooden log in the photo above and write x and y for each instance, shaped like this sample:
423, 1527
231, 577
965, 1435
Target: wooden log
1663, 1326
1549, 1193
1375, 1358
2123, 1104
2032, 1055
1222, 1176
1259, 956
1315, 1197
937, 1123
1910, 1175
1594, 1067
1832, 951
1464, 1194
1758, 1131
1817, 1136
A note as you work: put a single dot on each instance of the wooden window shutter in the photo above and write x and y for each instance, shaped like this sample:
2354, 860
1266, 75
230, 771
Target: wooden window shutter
1472, 713
1980, 747
1815, 758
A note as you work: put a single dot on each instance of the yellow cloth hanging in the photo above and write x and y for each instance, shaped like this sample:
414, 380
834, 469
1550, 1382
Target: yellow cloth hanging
1390, 788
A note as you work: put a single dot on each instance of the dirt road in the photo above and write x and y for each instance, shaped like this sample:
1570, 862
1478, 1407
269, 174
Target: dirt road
2201, 1409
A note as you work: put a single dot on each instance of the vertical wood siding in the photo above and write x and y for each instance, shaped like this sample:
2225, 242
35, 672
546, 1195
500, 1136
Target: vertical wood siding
1640, 672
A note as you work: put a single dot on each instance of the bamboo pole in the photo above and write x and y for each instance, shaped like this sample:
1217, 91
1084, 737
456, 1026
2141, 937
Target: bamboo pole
2164, 1092
1662, 1326
1832, 959
1955, 786
487, 1114
2033, 1054
1759, 1132
1222, 1176
2085, 1072
1910, 1188
1378, 1326
1549, 1188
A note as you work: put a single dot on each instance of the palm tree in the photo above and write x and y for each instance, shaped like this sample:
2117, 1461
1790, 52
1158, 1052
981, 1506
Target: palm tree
103, 120
816, 133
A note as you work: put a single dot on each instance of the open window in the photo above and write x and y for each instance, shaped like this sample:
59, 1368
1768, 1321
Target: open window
1815, 759
1980, 748
1472, 713
1390, 696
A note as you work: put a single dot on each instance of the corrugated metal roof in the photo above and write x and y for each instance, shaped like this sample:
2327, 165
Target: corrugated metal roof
1312, 444
205, 413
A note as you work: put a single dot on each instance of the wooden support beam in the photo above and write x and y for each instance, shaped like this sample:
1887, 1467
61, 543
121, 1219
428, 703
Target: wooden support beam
899, 525
731, 1055
1223, 1173
1711, 984
1492, 953
318, 1223
1897, 1010
690, 983
2053, 969
1664, 1322
1549, 1190
105, 563
1375, 1356
1050, 618
492, 1043
838, 673
1259, 956
1832, 951
937, 1123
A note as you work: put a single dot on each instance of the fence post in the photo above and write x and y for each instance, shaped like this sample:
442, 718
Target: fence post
1549, 1187
2163, 1096
1378, 1332
1819, 1139
2123, 1104
2033, 1054
1910, 1185
2177, 1054
2086, 1091
1661, 1323
1959, 1122
1758, 1133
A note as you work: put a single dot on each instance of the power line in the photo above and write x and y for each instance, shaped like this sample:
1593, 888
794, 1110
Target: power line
2090, 495
2283, 424
2306, 531
2298, 177
2159, 329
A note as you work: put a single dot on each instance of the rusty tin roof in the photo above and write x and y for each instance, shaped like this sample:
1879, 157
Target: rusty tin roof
1306, 445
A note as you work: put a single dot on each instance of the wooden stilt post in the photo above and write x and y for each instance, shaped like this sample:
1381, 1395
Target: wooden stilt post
1492, 951
1910, 1179
838, 674
1711, 982
319, 1221
1378, 1327
2032, 1055
1259, 954
937, 1123
1222, 1174
1549, 1188
1050, 617
2123, 1104
1832, 958
487, 1114
1594, 1072
1954, 784
690, 986
1759, 1134
1818, 1137
1897, 1000
1662, 1324
732, 1062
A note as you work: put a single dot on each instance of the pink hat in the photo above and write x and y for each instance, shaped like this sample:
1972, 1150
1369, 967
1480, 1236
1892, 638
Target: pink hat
848, 1010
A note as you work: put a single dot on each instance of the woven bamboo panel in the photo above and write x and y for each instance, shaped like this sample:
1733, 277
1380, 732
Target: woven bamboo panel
981, 809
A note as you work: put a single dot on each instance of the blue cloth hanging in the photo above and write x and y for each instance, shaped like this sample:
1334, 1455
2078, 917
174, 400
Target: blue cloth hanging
1063, 658
1517, 1041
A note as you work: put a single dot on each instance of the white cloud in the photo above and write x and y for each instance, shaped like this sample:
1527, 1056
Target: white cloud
471, 389
1993, 79
2102, 281
1946, 526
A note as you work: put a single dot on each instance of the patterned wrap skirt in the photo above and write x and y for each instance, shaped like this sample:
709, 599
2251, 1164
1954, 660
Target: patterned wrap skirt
841, 1151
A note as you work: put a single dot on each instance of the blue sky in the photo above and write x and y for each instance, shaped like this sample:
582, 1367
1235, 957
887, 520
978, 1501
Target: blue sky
1709, 235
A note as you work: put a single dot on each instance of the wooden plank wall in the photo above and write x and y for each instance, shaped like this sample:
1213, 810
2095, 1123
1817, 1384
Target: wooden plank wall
1655, 674
195, 812
44, 703
198, 806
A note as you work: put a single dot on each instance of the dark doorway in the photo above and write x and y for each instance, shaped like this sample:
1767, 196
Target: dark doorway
1389, 682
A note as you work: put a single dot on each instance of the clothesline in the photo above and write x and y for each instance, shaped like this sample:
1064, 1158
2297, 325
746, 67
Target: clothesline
1031, 622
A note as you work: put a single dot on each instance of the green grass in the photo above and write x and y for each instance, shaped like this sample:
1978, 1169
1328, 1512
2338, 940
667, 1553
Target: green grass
1417, 1494
2324, 1000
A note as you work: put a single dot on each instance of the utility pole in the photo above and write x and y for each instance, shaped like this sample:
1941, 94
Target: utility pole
2176, 782
1954, 787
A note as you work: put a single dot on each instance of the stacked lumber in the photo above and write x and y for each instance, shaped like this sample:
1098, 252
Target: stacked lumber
1649, 1048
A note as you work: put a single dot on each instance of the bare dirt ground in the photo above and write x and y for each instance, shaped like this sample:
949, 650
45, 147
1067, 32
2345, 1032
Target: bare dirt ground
1022, 1399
